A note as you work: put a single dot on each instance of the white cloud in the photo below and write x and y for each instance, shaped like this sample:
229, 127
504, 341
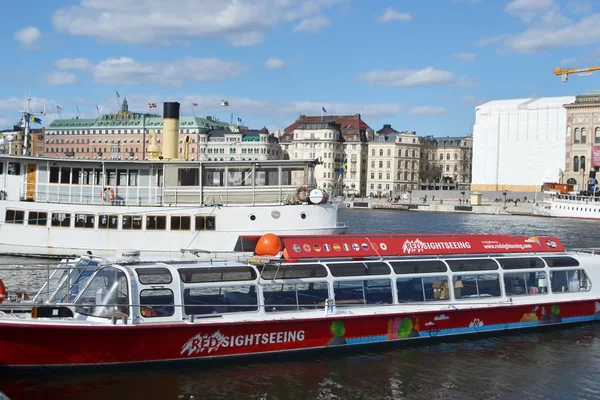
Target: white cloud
60, 78
274, 63
127, 71
427, 111
466, 57
240, 22
407, 77
490, 40
28, 37
579, 6
392, 15
466, 82
4, 123
312, 24
565, 62
527, 10
80, 64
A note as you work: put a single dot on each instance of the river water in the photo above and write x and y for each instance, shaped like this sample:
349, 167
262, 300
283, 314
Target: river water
558, 364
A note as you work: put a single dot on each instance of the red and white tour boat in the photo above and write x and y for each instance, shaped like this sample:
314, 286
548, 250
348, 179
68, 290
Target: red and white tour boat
299, 293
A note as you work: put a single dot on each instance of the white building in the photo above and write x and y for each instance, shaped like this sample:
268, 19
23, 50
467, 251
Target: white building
519, 144
233, 145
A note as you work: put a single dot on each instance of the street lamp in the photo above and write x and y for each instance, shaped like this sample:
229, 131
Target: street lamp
463, 196
504, 194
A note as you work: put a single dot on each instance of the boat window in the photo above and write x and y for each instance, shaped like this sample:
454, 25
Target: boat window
132, 222
84, 220
520, 263
121, 177
213, 177
39, 218
14, 216
153, 276
295, 296
76, 176
14, 168
106, 295
65, 175
476, 286
218, 274
73, 280
188, 177
359, 269
525, 283
1, 168
133, 177
418, 267
575, 280
430, 288
373, 291
205, 223
111, 177
472, 265
220, 300
287, 271
157, 303
267, 177
180, 223
156, 222
54, 174
108, 221
558, 262
61, 219
239, 177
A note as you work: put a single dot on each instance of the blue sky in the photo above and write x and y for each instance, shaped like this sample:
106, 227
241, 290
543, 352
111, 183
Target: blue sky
419, 65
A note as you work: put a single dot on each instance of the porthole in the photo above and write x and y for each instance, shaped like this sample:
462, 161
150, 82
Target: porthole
275, 214
252, 217
303, 215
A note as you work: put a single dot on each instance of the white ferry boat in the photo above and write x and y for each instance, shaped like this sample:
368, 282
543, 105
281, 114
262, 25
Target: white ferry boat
337, 291
567, 201
163, 205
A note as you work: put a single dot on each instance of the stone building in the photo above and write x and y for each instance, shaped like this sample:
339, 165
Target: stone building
446, 163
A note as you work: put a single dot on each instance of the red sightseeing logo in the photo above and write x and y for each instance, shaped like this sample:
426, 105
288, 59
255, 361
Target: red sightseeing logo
213, 342
418, 246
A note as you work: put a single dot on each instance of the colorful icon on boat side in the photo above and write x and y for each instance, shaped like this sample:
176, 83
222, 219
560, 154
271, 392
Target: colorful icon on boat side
337, 247
374, 246
317, 247
306, 248
346, 247
383, 246
355, 247
326, 247
364, 246
296, 248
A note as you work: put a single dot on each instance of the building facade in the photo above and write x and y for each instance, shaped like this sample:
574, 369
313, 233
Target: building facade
224, 144
121, 136
582, 141
519, 144
446, 163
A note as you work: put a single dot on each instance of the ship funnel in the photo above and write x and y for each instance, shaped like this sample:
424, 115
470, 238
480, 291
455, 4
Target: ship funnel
170, 133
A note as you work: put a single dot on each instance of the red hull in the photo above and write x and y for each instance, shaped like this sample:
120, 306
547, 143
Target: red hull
64, 345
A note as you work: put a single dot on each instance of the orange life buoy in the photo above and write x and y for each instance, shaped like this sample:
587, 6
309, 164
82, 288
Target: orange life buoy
107, 194
3, 292
302, 193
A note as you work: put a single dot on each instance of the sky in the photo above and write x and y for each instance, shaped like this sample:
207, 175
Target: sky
418, 65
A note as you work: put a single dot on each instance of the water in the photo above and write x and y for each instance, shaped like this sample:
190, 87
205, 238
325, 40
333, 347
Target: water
557, 364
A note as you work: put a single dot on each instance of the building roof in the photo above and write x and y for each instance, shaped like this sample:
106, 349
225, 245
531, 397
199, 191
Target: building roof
346, 122
530, 103
589, 97
447, 141
386, 130
249, 135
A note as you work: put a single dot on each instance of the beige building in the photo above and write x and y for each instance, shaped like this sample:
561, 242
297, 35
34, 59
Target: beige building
582, 152
446, 163
248, 144
394, 163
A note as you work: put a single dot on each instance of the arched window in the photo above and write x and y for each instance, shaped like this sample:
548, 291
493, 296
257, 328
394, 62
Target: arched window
414, 154
373, 152
575, 163
456, 156
571, 181
583, 135
389, 152
399, 153
405, 153
582, 163
447, 156
381, 152
577, 136
441, 156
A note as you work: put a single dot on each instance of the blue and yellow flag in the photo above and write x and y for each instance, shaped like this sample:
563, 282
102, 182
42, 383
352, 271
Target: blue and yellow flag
344, 166
36, 120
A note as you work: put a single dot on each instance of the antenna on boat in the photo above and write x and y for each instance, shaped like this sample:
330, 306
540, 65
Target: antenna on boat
195, 252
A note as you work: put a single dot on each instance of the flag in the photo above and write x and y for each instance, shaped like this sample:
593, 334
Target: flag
343, 167
77, 108
239, 120
59, 108
224, 103
36, 120
97, 109
117, 93
152, 105
323, 109
194, 104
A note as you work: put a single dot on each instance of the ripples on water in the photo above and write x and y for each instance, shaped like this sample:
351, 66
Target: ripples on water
558, 364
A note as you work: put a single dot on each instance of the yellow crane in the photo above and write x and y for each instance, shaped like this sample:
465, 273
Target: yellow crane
565, 72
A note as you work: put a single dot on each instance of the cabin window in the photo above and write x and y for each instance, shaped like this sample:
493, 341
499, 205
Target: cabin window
153, 276
132, 222
122, 178
156, 222
267, 177
76, 176
476, 286
88, 176
223, 274
294, 271
239, 177
157, 303
558, 262
180, 223
525, 283
188, 177
14, 216
213, 177
359, 269
54, 174
373, 291
84, 220
61, 219
520, 263
472, 265
106, 295
207, 223
65, 175
220, 300
108, 221
133, 177
39, 218
14, 168
418, 267
1, 168
575, 280
111, 177
295, 296
430, 288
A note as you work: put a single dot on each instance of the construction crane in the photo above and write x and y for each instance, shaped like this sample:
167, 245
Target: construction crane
565, 72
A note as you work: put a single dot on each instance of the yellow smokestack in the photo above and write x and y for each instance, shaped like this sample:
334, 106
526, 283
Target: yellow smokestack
170, 134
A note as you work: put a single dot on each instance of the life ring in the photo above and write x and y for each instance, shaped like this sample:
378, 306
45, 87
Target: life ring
107, 194
3, 292
302, 193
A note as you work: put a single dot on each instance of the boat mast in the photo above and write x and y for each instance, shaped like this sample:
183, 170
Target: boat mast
27, 116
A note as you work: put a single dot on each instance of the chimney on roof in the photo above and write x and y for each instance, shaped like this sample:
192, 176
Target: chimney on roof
387, 126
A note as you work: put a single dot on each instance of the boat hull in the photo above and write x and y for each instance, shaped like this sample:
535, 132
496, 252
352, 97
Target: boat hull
66, 345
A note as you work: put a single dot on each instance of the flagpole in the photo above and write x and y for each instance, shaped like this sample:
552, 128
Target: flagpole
98, 110
58, 111
118, 100
78, 116
197, 158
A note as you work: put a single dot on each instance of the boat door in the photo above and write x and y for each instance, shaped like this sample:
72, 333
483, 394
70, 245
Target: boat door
31, 174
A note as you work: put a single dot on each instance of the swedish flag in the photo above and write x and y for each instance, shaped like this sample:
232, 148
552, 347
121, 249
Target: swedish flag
344, 166
35, 120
